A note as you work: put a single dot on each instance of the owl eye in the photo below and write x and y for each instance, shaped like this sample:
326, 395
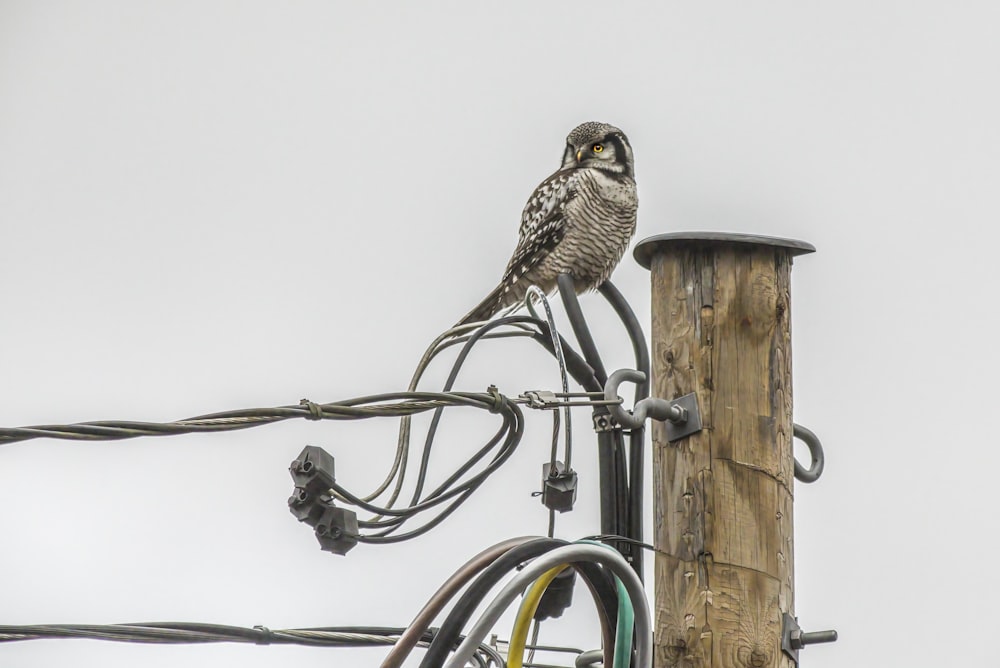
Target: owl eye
598, 148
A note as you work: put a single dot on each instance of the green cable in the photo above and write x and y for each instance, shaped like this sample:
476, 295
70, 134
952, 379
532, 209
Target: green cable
626, 620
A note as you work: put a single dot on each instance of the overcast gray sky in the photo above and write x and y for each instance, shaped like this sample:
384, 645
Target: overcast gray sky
214, 205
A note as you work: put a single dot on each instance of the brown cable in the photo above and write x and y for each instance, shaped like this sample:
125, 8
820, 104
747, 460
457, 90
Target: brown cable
408, 640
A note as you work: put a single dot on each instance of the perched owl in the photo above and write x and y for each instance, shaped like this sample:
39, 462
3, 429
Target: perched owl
578, 221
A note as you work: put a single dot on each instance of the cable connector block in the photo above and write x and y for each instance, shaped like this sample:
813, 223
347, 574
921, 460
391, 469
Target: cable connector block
313, 470
557, 596
558, 487
312, 473
307, 507
337, 530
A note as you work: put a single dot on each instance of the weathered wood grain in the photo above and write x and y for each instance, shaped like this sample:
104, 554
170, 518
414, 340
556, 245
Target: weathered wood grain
723, 510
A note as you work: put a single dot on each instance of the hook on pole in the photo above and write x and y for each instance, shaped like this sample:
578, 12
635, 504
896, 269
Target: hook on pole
680, 415
815, 470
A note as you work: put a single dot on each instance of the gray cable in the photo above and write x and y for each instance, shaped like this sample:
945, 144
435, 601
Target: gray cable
565, 555
535, 291
594, 657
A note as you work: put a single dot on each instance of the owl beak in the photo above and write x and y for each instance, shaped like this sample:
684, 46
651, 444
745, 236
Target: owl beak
579, 155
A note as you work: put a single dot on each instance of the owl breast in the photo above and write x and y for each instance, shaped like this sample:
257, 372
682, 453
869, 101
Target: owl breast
600, 222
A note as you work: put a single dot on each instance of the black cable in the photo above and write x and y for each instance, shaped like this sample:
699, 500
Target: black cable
610, 538
613, 481
451, 629
621, 498
637, 436
573, 365
392, 525
576, 366
634, 329
510, 427
513, 427
607, 489
449, 383
567, 290
384, 536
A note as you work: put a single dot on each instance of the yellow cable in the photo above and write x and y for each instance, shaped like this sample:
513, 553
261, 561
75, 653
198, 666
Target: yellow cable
519, 635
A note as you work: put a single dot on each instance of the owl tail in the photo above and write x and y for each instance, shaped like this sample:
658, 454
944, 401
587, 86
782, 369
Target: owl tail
486, 308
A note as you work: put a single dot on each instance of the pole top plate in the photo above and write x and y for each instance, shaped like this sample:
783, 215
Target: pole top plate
645, 249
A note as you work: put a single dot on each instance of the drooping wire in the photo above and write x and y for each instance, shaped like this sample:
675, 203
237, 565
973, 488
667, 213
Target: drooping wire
595, 578
525, 613
626, 618
570, 554
448, 338
391, 526
536, 293
422, 621
527, 326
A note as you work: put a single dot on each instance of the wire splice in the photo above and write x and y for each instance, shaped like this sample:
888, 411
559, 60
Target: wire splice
557, 597
336, 528
558, 487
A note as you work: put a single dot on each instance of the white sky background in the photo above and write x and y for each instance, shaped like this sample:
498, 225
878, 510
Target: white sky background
216, 205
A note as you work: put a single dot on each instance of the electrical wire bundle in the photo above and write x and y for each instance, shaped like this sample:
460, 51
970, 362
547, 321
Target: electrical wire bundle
177, 633
614, 586
397, 404
621, 502
614, 580
535, 562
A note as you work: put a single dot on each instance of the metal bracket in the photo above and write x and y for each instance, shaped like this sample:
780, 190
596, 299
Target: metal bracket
681, 415
689, 423
605, 422
793, 638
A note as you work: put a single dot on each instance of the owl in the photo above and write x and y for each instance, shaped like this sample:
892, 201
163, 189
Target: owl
578, 221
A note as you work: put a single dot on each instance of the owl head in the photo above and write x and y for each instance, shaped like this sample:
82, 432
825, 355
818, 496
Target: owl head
600, 146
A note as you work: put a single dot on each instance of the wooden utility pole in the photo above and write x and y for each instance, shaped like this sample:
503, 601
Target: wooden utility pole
723, 496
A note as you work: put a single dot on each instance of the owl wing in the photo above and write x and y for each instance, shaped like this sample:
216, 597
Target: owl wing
543, 224
549, 197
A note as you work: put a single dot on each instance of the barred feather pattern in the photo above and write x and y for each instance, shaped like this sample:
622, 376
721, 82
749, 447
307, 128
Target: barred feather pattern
578, 222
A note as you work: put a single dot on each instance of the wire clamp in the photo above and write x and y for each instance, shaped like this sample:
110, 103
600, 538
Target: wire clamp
548, 400
498, 399
541, 399
265, 636
605, 422
315, 411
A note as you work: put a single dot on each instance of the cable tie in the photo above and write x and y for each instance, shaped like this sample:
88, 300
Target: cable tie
266, 636
315, 411
498, 399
